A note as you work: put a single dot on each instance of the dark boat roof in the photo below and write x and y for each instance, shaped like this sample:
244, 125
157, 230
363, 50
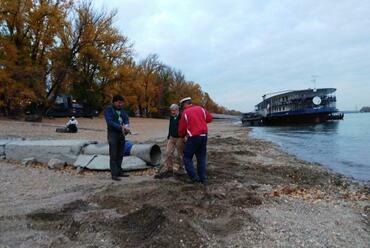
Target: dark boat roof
291, 92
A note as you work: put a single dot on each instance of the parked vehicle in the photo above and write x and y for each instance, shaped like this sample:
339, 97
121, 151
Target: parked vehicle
65, 106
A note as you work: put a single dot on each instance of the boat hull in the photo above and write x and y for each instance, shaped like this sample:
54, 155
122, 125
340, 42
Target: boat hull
296, 119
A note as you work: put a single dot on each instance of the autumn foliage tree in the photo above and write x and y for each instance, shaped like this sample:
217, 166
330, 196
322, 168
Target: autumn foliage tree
27, 38
49, 47
101, 52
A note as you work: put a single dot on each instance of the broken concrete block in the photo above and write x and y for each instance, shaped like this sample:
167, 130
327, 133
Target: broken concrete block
28, 161
55, 163
83, 161
44, 150
130, 163
80, 170
2, 147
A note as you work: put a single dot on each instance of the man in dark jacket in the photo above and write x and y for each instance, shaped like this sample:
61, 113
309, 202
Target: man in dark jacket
118, 126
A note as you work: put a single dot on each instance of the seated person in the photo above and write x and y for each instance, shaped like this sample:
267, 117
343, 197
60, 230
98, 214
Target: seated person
71, 126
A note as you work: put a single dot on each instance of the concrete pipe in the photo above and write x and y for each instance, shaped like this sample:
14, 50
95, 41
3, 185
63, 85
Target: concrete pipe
103, 149
150, 153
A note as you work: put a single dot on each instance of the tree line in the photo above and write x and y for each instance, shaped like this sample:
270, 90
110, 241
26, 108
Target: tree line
49, 47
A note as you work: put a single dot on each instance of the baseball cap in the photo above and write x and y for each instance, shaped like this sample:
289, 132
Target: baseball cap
185, 99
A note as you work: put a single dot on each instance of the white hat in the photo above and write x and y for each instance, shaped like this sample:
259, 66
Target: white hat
185, 99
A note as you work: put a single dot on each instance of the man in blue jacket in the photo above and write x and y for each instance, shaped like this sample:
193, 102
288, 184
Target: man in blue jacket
118, 126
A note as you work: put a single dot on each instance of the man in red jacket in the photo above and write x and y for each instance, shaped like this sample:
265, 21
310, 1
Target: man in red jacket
193, 125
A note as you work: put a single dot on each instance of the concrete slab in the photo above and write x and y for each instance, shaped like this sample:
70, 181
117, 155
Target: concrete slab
56, 164
101, 162
84, 160
2, 146
131, 163
44, 150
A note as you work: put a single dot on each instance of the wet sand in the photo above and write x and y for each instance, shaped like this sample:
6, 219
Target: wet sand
258, 196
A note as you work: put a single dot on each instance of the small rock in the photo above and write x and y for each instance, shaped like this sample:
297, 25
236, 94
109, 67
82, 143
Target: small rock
79, 169
55, 163
28, 161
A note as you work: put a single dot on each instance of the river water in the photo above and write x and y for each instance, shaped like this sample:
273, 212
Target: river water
343, 146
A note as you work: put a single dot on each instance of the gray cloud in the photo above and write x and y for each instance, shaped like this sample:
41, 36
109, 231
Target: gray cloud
239, 50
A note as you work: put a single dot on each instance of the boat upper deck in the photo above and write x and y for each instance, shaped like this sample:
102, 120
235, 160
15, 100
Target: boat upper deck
297, 100
295, 95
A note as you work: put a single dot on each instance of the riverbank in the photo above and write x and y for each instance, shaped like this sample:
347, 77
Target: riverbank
258, 196
339, 145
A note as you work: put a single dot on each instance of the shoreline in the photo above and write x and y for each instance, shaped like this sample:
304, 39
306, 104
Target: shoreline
330, 170
332, 166
258, 196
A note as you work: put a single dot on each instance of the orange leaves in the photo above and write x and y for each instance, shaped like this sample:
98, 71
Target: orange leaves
313, 194
27, 39
309, 194
62, 46
355, 196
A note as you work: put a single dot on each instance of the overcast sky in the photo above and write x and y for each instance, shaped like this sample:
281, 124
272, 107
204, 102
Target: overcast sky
238, 50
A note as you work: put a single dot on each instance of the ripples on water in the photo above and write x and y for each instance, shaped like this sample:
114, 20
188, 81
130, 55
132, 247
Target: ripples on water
343, 146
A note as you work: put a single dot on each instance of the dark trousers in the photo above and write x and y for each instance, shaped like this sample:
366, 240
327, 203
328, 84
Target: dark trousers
116, 141
72, 128
196, 145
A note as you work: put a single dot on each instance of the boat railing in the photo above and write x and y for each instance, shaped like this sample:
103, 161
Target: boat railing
325, 99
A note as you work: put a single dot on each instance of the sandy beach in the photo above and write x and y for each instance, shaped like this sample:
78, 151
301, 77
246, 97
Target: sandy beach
90, 129
258, 196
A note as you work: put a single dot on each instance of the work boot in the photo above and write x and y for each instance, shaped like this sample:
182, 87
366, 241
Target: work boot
123, 175
114, 178
164, 174
180, 172
194, 180
205, 187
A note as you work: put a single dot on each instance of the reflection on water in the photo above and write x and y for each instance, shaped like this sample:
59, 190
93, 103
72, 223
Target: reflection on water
343, 146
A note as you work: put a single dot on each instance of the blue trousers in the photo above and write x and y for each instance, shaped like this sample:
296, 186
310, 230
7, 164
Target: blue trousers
196, 145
